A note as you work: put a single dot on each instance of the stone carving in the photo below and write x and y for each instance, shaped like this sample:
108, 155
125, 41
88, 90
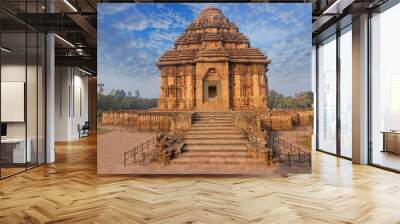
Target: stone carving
212, 58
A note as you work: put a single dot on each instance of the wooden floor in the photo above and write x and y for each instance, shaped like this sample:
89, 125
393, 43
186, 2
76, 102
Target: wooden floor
69, 191
386, 159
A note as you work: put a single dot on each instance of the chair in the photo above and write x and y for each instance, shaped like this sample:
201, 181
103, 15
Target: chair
84, 130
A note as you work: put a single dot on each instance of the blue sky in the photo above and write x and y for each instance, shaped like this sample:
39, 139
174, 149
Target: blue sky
131, 38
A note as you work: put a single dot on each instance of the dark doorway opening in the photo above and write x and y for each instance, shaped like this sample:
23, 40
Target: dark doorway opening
212, 92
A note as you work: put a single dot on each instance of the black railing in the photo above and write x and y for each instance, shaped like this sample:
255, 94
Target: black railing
287, 152
139, 153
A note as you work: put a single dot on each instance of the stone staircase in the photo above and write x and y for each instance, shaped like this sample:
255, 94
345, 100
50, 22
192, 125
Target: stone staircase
213, 140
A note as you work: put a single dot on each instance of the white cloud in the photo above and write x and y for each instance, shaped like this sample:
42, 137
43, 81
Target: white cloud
140, 21
283, 37
110, 9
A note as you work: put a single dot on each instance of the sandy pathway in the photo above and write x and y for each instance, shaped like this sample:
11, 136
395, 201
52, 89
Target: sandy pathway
112, 145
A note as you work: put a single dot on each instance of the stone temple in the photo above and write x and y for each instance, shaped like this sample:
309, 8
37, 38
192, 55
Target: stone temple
212, 67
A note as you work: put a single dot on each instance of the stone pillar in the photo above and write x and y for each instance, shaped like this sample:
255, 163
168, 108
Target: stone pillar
266, 89
172, 77
256, 90
161, 99
189, 85
236, 97
190, 90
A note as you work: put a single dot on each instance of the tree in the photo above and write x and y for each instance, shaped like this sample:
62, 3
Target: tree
117, 99
137, 94
120, 93
276, 100
304, 99
300, 100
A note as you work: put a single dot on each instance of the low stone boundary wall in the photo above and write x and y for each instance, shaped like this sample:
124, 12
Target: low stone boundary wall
286, 119
148, 120
261, 129
277, 121
171, 121
306, 117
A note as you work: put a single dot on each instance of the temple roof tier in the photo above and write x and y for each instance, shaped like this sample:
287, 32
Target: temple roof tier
211, 36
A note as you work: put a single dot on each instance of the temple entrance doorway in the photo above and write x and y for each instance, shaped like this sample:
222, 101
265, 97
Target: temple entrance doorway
212, 86
212, 93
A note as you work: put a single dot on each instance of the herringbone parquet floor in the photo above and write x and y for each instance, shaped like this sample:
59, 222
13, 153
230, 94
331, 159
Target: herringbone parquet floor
69, 191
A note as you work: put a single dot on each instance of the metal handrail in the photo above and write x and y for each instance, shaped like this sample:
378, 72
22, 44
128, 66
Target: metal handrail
295, 151
139, 150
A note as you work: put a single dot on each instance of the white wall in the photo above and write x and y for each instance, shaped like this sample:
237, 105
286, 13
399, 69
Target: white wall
62, 82
71, 102
16, 73
9, 73
80, 110
33, 126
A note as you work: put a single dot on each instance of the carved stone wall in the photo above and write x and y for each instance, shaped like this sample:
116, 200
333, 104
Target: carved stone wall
248, 86
177, 91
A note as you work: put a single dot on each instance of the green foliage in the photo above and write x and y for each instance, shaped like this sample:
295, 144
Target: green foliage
301, 100
119, 100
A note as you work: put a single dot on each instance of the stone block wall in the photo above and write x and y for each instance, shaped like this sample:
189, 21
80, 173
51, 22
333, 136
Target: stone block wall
148, 120
306, 117
285, 119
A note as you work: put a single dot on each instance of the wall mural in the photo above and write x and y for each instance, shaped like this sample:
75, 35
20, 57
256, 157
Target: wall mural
204, 89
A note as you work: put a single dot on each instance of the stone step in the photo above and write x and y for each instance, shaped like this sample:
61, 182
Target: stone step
216, 141
212, 112
214, 120
196, 119
208, 150
217, 161
210, 147
207, 123
214, 125
210, 127
215, 148
211, 153
213, 115
215, 136
213, 131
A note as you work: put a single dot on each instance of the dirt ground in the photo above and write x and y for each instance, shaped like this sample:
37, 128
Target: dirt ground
300, 136
112, 143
